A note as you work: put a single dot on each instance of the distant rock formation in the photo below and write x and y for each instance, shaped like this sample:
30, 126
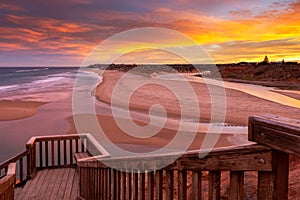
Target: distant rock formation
265, 61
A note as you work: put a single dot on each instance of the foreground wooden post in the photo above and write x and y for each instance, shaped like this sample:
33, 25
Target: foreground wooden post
31, 158
7, 183
282, 135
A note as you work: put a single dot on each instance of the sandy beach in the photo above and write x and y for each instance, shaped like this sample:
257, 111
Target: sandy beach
240, 105
13, 110
23, 119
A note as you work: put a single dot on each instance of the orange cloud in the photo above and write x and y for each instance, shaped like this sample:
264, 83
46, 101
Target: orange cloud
239, 34
10, 7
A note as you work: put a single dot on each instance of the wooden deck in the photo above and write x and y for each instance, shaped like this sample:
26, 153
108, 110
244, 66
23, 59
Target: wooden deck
55, 183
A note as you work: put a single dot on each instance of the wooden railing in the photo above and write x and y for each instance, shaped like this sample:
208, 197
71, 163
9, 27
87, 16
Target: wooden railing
21, 166
282, 135
191, 177
48, 151
184, 176
7, 183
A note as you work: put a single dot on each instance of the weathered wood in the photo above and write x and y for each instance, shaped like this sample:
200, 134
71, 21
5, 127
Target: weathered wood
240, 158
7, 183
118, 182
150, 185
196, 185
32, 188
41, 153
52, 153
64, 186
65, 151
48, 190
135, 186
47, 153
281, 175
82, 145
113, 184
236, 185
276, 132
58, 152
182, 184
159, 184
64, 181
142, 186
169, 185
70, 183
21, 168
30, 150
123, 185
265, 186
76, 145
17, 159
71, 151
57, 183
214, 185
109, 183
129, 185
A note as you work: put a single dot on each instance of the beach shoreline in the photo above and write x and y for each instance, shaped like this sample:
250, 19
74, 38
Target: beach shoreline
237, 101
15, 110
58, 115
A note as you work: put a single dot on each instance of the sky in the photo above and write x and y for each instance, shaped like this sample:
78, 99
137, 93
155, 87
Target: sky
64, 32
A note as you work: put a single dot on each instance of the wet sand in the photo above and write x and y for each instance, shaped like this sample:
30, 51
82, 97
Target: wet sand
13, 110
25, 119
240, 105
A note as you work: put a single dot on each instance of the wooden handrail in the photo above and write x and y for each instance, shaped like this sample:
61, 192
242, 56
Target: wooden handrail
13, 159
246, 158
7, 183
45, 151
237, 159
282, 135
277, 138
19, 161
276, 132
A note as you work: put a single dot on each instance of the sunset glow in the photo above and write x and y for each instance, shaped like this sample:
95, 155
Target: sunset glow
55, 33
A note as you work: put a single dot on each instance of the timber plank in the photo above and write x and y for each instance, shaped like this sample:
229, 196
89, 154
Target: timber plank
32, 186
182, 184
276, 132
39, 184
170, 185
61, 191
159, 184
281, 175
58, 185
265, 186
196, 185
236, 185
75, 187
239, 158
69, 185
61, 183
49, 188
214, 185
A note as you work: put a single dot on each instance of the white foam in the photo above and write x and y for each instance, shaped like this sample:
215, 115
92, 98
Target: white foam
31, 70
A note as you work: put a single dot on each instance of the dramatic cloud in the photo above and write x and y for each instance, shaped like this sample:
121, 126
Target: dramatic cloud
64, 32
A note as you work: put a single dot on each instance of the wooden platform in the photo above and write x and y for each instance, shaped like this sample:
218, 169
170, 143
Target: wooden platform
59, 183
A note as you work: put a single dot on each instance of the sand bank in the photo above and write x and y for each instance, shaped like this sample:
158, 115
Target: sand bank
13, 110
240, 105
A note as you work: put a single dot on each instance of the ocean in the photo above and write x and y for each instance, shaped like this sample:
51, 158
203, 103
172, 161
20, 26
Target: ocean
52, 85
17, 82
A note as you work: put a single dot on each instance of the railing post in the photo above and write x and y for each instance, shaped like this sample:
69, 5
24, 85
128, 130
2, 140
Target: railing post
280, 168
31, 160
282, 135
